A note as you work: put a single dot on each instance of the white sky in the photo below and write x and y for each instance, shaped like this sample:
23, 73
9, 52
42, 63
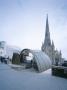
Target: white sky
22, 23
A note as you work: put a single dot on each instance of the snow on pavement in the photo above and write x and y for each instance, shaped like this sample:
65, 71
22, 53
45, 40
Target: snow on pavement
11, 79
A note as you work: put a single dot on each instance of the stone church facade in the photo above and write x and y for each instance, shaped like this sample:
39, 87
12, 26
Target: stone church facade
49, 48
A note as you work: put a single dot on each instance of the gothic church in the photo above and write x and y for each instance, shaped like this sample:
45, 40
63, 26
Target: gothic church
49, 48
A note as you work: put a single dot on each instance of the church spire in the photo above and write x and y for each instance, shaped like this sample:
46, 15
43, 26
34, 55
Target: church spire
53, 47
47, 40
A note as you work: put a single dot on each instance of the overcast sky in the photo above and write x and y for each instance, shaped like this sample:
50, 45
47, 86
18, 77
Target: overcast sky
22, 23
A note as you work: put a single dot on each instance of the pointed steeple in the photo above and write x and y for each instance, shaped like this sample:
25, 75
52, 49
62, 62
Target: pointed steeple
60, 54
53, 47
46, 46
47, 40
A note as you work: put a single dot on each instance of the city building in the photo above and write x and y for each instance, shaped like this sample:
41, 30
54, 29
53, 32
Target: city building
7, 51
2, 48
49, 48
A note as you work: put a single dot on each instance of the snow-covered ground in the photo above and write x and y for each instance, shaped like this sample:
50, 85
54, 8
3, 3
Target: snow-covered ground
11, 79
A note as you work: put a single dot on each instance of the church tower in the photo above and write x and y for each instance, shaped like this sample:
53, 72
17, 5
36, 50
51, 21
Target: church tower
46, 46
47, 41
49, 48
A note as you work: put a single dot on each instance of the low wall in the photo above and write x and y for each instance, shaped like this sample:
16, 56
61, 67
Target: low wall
60, 71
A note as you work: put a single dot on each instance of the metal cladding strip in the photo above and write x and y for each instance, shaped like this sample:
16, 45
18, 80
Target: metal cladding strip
42, 60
